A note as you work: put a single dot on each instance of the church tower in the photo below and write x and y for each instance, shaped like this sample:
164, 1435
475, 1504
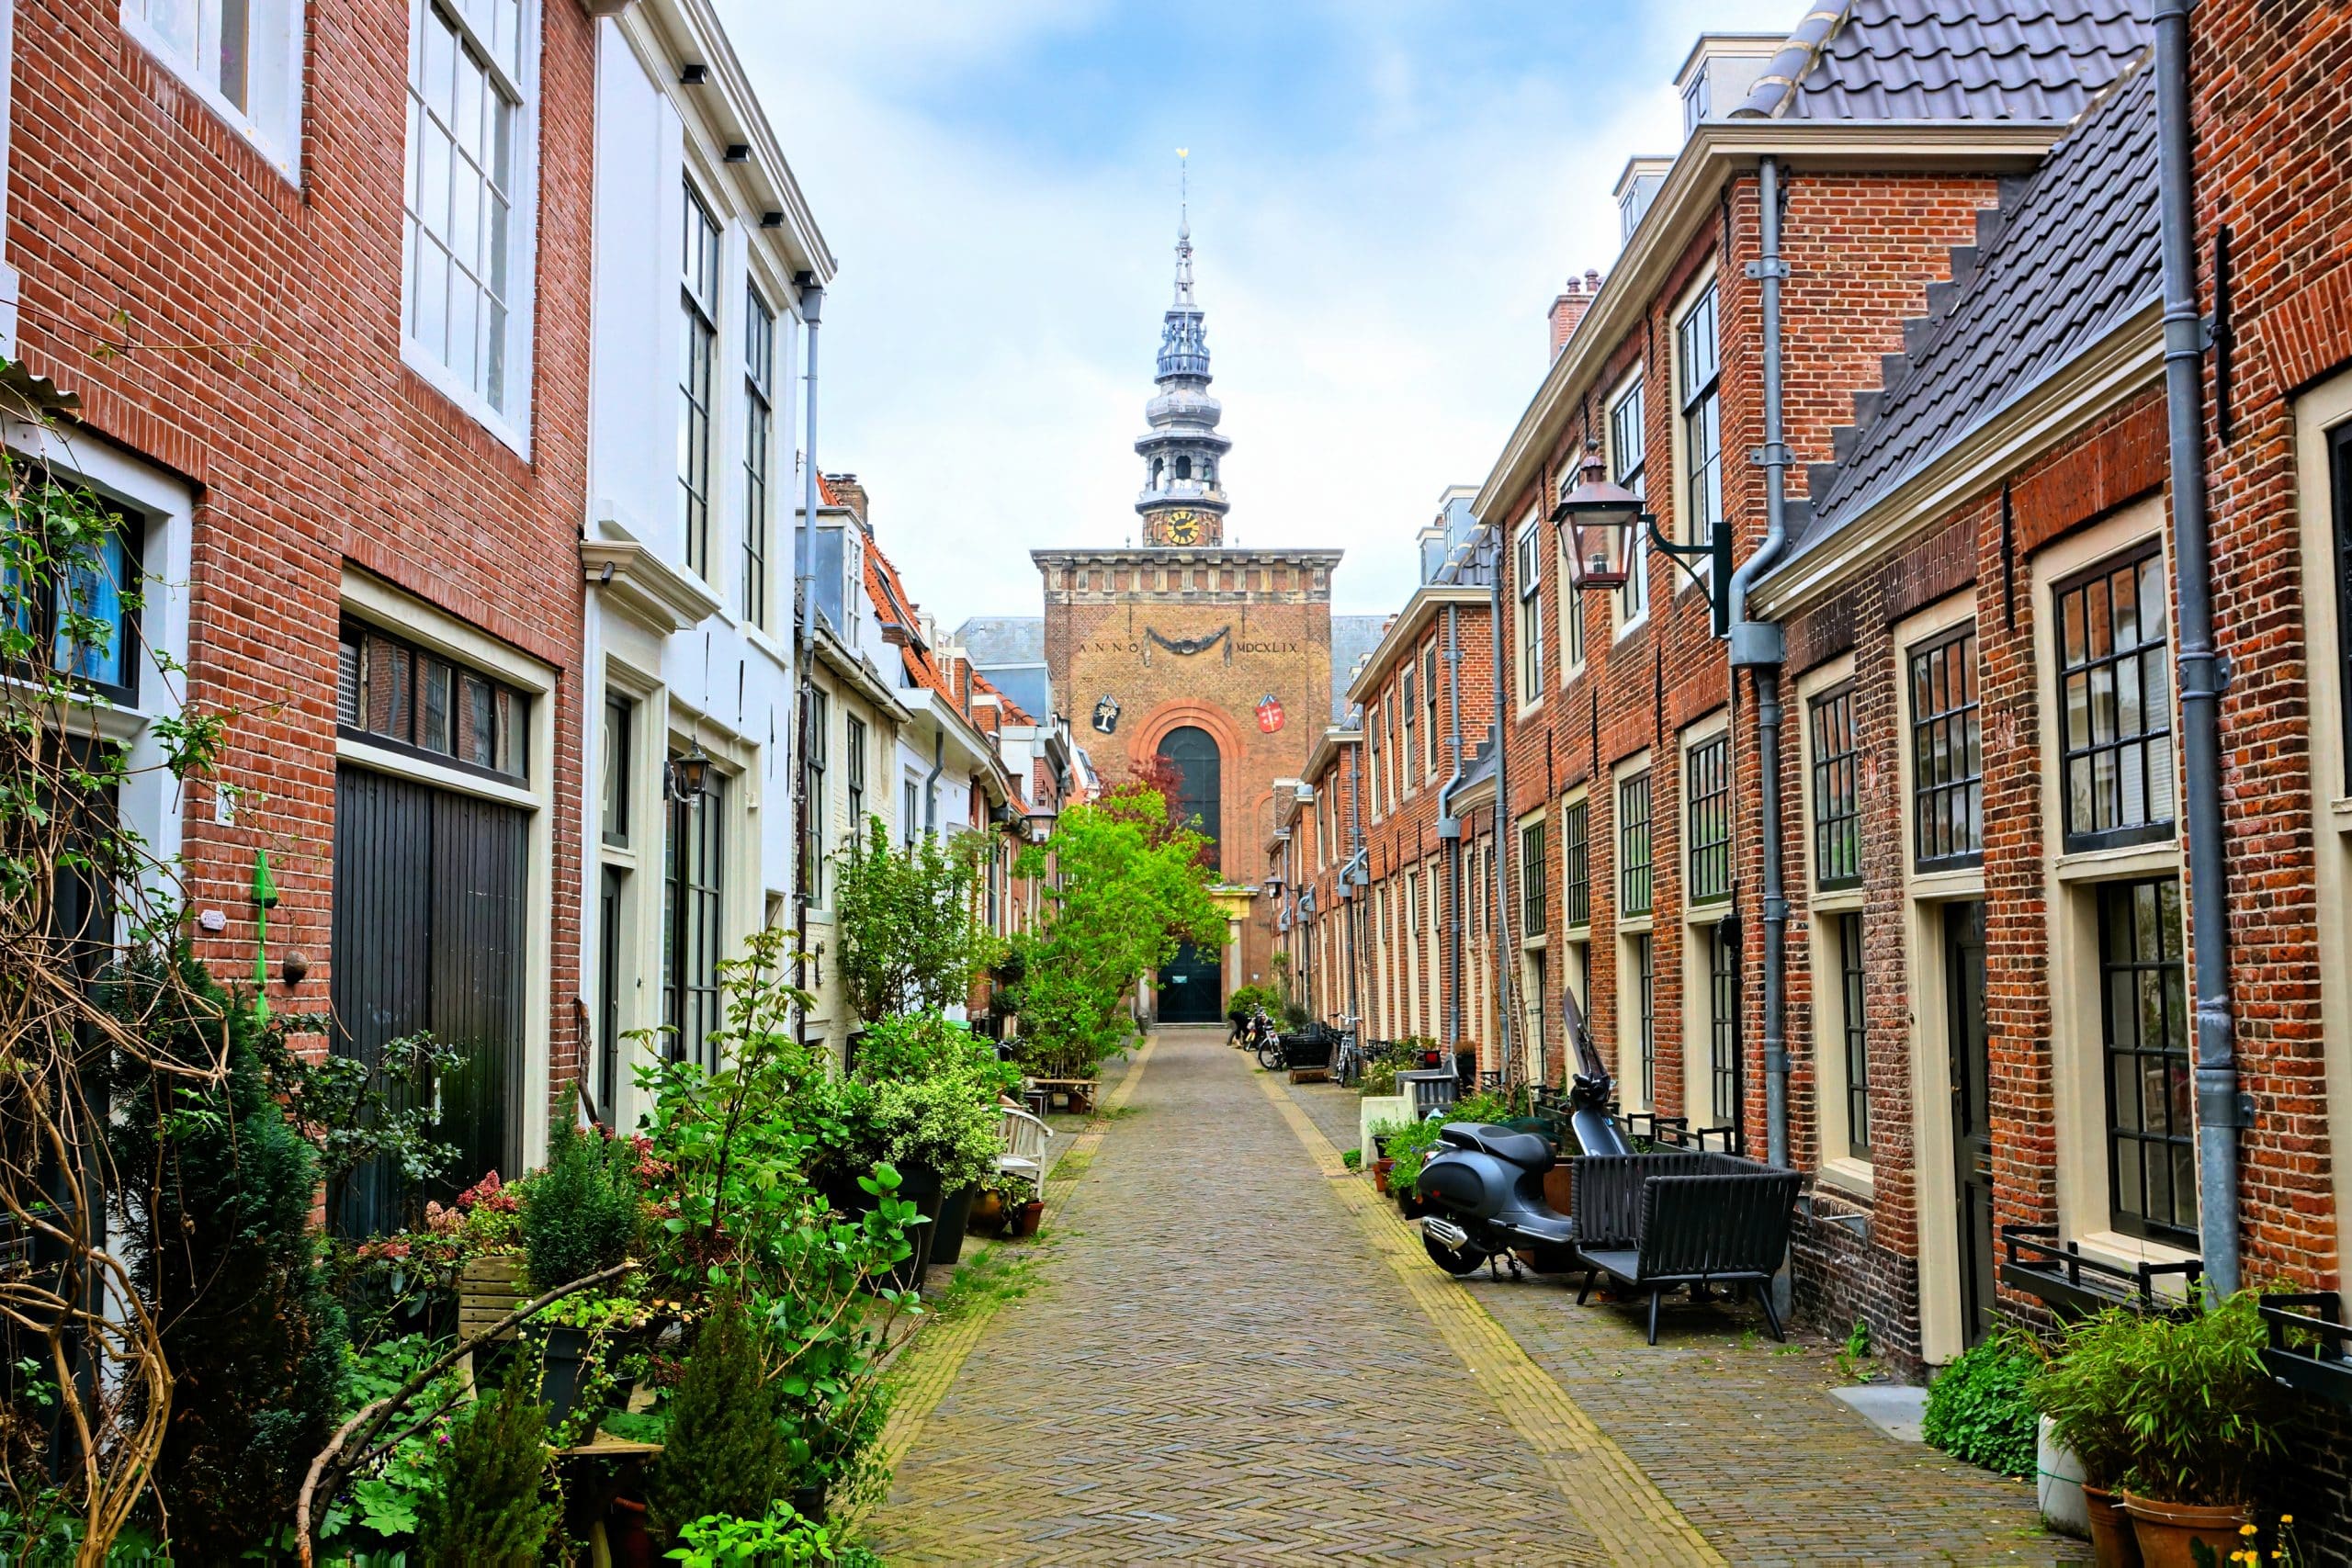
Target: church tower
1182, 503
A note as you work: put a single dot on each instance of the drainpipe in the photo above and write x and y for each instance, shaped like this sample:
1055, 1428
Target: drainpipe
1350, 877
1449, 830
1758, 647
1505, 971
931, 782
812, 304
2220, 1108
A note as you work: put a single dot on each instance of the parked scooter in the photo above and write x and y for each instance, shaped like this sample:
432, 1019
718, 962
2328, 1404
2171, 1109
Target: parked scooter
1486, 1182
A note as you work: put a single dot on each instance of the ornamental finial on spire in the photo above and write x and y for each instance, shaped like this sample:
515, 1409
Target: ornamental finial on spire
1183, 229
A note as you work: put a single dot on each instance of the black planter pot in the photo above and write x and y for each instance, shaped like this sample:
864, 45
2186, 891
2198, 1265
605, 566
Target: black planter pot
922, 1188
809, 1502
567, 1348
954, 1213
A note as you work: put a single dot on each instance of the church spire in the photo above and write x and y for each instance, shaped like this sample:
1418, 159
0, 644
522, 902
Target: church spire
1182, 503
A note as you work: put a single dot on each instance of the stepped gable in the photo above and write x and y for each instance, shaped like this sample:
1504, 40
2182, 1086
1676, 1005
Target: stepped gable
1983, 60
2070, 253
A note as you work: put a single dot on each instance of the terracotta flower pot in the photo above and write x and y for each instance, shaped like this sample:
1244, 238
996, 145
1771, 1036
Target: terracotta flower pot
2112, 1543
1380, 1175
1028, 1216
2169, 1532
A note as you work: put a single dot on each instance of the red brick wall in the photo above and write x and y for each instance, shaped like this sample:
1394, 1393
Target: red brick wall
224, 323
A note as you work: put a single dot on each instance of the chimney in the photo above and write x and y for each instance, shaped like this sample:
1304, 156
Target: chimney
1570, 307
847, 492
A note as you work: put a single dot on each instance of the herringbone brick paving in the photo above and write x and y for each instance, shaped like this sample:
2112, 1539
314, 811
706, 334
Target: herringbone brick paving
1230, 1357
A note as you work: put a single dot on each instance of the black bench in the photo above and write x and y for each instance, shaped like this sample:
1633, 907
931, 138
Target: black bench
1657, 1221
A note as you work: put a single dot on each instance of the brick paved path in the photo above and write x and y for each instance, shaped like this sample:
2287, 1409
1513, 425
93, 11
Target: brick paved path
1234, 1356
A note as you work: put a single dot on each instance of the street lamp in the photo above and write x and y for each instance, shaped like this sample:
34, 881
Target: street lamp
689, 775
1596, 521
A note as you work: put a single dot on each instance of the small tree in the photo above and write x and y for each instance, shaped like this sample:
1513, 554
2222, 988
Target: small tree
488, 1502
1128, 888
725, 1452
911, 937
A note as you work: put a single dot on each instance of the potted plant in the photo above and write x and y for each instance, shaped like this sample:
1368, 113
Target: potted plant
988, 1209
1024, 1209
2080, 1389
2208, 1425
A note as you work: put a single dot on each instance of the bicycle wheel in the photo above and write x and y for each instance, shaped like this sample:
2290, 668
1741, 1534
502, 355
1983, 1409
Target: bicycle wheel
1269, 1054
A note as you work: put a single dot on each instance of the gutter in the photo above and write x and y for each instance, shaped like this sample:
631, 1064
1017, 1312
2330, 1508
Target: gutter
1758, 646
1505, 971
2221, 1107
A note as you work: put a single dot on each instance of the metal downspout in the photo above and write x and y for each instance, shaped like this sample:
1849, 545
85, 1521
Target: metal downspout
2221, 1110
1448, 828
1758, 647
1355, 905
1506, 966
812, 304
931, 781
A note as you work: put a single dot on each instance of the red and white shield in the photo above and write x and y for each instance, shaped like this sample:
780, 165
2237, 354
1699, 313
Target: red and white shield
1270, 714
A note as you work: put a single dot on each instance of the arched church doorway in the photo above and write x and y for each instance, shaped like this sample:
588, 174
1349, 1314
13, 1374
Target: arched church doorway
1191, 986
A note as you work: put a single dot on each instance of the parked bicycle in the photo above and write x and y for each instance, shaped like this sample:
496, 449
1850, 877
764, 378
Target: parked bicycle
1263, 1038
1347, 1060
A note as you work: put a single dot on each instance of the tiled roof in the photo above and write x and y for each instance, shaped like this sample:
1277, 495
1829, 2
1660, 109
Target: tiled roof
2001, 60
2072, 255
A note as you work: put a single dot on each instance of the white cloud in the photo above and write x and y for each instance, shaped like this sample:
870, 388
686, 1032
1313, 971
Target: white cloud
1374, 312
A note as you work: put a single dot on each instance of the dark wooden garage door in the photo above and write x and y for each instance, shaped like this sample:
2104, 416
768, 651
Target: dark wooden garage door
429, 890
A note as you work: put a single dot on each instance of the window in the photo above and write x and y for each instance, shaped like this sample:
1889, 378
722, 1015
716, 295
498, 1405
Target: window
2115, 704
1428, 710
1946, 759
2152, 1153
1575, 866
1372, 739
2339, 452
1531, 878
853, 831
1528, 579
243, 57
1412, 708
910, 812
1700, 370
1634, 845
1854, 1018
1413, 903
88, 607
1572, 653
1723, 1021
467, 243
698, 296
1696, 100
1837, 792
620, 718
813, 758
1627, 454
387, 691
759, 438
1645, 1011
1707, 771
691, 936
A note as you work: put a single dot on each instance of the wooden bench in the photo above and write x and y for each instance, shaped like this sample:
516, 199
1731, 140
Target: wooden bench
1078, 1092
1654, 1221
490, 1287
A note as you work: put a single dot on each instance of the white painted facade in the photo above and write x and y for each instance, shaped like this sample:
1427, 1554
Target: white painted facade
688, 622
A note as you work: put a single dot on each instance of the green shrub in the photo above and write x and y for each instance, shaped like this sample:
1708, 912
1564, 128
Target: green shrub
1246, 998
2208, 1425
1410, 1148
1978, 1410
1352, 1158
1379, 1077
581, 1215
725, 1454
487, 1502
781, 1539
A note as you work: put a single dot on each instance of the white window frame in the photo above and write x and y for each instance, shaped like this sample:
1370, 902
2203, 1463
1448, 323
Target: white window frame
1630, 603
512, 428
1824, 908
1527, 616
1689, 525
277, 138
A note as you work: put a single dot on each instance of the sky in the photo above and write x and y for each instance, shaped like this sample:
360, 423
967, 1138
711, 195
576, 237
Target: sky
1387, 195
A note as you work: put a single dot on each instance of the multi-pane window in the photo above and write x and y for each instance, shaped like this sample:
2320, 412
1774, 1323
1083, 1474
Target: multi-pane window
1853, 1023
1707, 788
691, 937
1429, 709
1527, 575
1700, 368
1576, 865
1411, 710
620, 721
1530, 879
244, 56
1572, 618
1645, 1015
910, 812
1946, 754
2143, 1008
464, 238
1837, 792
854, 830
2115, 704
85, 605
1634, 845
698, 348
1371, 740
2340, 450
1723, 1021
759, 442
815, 747
1628, 451
388, 691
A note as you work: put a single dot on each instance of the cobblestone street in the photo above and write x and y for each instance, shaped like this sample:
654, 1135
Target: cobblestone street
1234, 1353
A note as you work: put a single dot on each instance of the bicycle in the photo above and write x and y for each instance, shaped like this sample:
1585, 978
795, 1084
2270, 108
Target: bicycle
1347, 1060
1265, 1041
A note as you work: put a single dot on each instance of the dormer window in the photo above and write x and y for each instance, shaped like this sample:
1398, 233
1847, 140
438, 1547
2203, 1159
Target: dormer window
1695, 106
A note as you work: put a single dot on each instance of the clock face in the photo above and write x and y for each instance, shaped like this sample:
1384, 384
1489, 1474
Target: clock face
1182, 527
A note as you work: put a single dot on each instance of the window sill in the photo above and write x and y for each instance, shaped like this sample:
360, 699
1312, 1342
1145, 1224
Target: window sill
2122, 861
2130, 1251
1711, 912
1841, 901
471, 402
1850, 1177
1636, 925
288, 165
1627, 628
2342, 811
1932, 886
1534, 943
459, 780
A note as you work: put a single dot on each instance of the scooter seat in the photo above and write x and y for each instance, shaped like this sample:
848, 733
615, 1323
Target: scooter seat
1524, 1149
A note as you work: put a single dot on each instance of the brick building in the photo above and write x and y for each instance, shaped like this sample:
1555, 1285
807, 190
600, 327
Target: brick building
338, 391
1184, 648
